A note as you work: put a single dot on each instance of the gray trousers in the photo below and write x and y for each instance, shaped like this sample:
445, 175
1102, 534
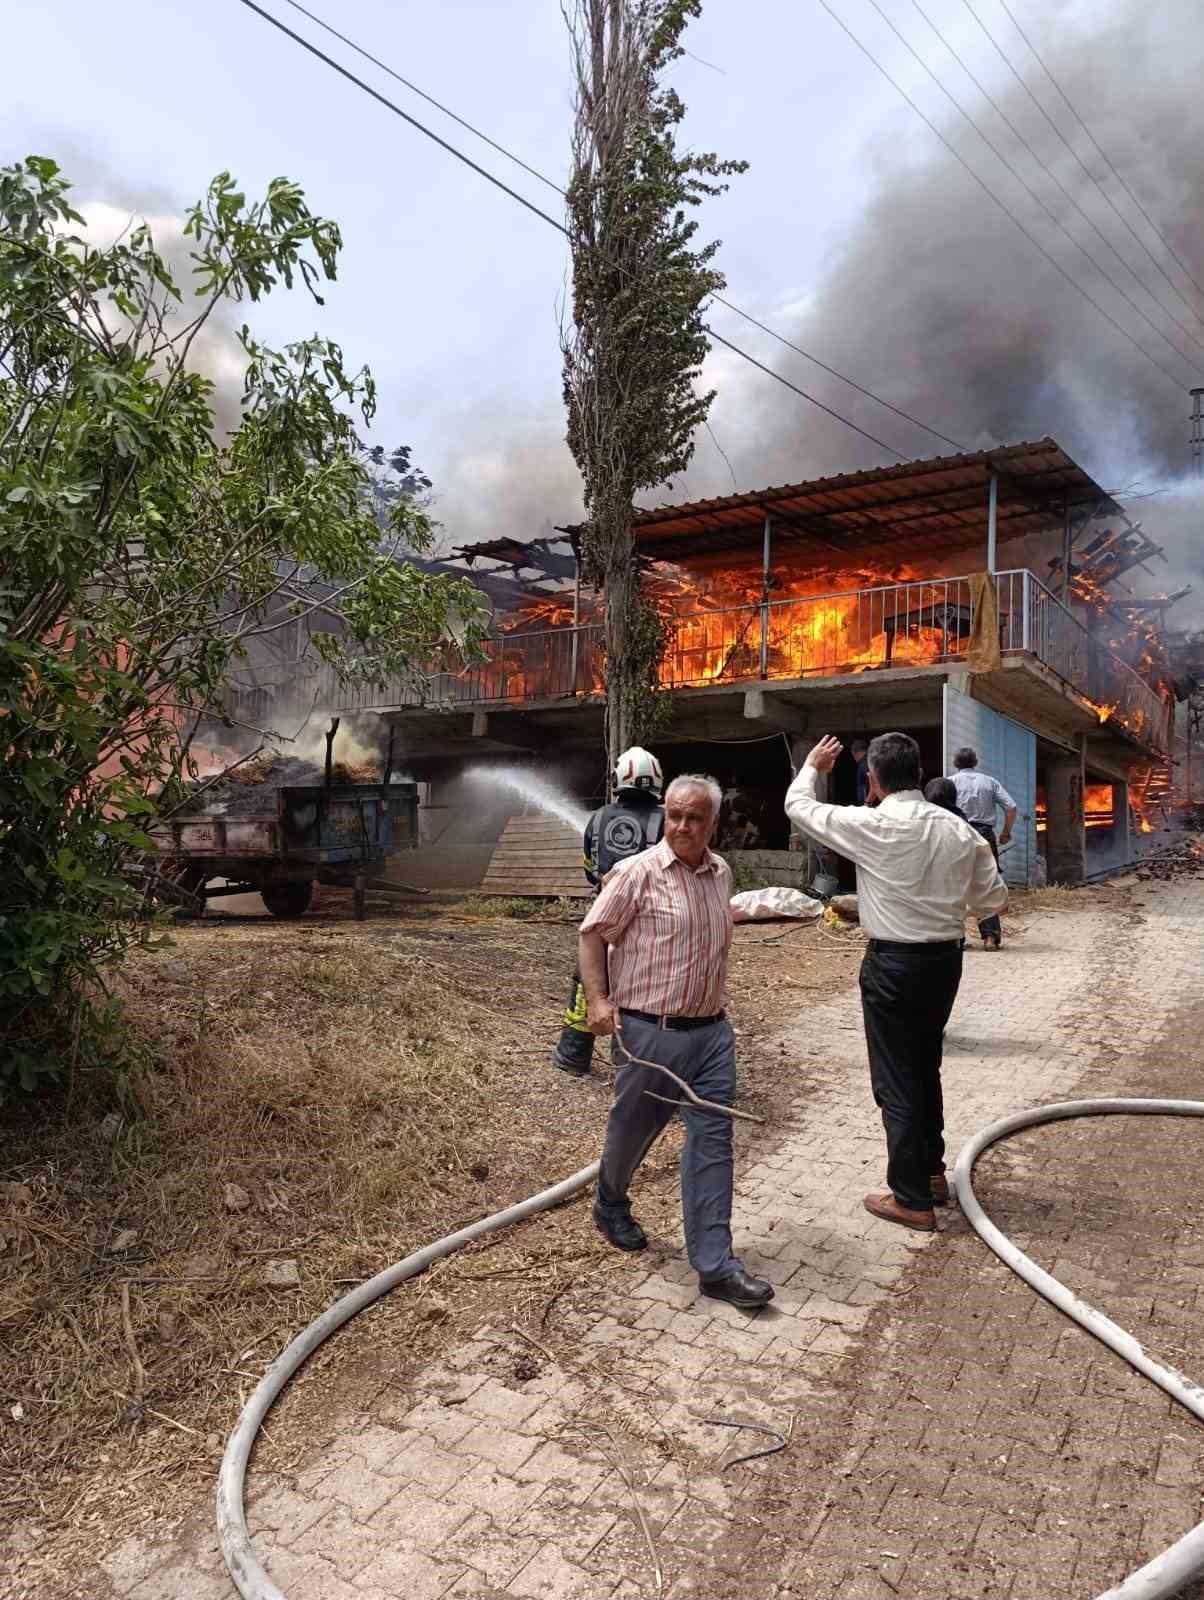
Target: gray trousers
706, 1059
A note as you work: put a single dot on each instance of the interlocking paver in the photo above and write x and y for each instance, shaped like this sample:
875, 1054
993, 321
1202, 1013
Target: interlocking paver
433, 1467
470, 1488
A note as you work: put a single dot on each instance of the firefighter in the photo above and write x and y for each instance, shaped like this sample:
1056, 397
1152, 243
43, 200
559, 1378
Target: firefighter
634, 821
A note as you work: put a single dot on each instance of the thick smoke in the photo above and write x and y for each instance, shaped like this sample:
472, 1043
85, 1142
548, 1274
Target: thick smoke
938, 303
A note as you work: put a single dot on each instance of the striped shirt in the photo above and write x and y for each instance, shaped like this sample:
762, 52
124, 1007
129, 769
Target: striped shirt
669, 927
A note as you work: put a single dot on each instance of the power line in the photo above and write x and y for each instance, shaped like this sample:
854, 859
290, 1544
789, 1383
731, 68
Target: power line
556, 189
995, 200
1111, 168
404, 115
1052, 175
422, 94
761, 367
782, 339
1006, 59
1029, 190
543, 215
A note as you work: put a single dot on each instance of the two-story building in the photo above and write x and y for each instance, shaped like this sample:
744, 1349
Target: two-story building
944, 597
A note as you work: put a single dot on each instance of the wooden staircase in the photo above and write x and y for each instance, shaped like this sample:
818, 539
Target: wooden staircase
537, 856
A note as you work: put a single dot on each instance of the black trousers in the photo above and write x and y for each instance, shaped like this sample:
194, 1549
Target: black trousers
989, 927
907, 993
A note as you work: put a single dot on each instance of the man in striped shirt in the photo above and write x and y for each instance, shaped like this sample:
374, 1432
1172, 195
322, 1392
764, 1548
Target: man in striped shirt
653, 960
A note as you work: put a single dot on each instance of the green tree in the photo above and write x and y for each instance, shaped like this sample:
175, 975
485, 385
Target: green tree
634, 347
142, 555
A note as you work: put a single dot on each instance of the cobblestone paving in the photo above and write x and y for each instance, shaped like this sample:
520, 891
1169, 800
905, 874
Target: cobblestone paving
510, 1476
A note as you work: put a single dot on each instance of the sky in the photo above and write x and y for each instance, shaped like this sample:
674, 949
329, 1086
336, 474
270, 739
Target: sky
854, 231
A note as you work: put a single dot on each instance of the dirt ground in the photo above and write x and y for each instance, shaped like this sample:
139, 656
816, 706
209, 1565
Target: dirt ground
427, 1021
363, 1088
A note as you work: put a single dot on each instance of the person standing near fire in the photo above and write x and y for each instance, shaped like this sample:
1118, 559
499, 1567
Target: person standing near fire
981, 799
632, 823
653, 956
919, 870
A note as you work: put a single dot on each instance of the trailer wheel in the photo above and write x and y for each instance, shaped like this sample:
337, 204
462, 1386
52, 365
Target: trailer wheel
288, 899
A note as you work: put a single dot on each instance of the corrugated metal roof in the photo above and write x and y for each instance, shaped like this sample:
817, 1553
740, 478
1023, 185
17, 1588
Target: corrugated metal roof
927, 505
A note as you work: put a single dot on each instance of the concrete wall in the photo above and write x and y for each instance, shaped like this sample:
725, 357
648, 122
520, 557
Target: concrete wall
782, 868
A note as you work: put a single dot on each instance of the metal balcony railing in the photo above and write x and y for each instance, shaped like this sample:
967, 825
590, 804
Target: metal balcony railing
927, 623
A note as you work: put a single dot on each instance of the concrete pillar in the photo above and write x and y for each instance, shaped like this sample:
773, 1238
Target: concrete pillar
1065, 835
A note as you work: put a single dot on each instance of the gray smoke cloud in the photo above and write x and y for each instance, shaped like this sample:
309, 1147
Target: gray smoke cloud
938, 303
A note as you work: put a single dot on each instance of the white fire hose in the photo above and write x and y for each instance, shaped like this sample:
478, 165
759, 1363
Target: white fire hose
1157, 1580
250, 1579
1166, 1574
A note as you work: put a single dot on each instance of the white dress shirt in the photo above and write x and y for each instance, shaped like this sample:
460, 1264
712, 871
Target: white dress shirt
981, 797
920, 869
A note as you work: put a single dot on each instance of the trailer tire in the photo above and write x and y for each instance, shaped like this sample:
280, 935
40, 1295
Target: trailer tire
288, 899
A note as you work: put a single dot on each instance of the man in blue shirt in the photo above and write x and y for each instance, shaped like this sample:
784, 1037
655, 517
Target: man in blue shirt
981, 798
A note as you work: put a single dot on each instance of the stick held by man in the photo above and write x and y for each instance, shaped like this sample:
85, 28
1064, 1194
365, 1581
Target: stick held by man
920, 870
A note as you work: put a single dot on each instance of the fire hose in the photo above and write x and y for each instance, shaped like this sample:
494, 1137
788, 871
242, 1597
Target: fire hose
1159, 1579
1167, 1572
250, 1579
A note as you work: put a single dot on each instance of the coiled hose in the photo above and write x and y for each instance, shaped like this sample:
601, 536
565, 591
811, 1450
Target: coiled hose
1181, 1561
250, 1579
1157, 1580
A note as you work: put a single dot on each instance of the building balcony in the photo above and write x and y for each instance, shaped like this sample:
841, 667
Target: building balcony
929, 623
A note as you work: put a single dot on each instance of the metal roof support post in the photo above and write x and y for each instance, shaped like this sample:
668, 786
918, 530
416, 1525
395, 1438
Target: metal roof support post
765, 598
1067, 546
992, 507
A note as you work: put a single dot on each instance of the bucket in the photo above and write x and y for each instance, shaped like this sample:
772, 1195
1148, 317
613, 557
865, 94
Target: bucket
825, 885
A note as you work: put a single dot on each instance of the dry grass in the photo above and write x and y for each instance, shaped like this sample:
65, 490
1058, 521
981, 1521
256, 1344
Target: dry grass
370, 1087
349, 1086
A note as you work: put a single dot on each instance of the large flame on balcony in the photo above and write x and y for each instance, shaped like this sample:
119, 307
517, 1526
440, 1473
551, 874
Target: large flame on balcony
822, 621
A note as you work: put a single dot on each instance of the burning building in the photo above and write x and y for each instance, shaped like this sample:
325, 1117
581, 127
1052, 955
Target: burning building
968, 599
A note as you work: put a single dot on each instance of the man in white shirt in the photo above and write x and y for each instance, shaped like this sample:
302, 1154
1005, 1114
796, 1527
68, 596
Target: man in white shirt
920, 869
982, 798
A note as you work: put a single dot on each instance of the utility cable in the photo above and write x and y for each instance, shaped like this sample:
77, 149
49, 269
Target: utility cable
555, 187
1103, 153
718, 337
422, 95
1028, 188
1023, 82
994, 198
1053, 177
405, 116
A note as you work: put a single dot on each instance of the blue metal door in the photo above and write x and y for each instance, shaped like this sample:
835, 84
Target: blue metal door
1008, 751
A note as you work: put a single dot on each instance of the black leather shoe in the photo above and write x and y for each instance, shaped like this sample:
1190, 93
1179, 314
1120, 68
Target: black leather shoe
739, 1289
624, 1232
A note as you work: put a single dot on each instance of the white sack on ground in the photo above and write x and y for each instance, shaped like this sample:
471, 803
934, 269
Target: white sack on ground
763, 905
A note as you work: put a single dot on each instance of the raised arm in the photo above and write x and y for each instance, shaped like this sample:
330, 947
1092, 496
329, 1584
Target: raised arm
850, 830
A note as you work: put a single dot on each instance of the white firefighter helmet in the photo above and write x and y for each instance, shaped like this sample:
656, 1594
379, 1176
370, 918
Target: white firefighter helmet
638, 769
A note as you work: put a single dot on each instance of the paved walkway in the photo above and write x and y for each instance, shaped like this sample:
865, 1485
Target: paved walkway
489, 1482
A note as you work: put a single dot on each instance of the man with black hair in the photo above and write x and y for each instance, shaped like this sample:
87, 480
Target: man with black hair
920, 870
